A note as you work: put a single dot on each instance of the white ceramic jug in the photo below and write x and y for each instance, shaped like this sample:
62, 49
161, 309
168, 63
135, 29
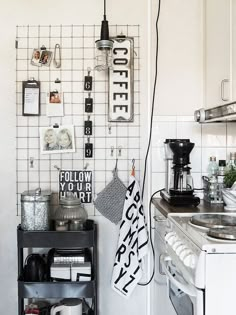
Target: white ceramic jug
68, 307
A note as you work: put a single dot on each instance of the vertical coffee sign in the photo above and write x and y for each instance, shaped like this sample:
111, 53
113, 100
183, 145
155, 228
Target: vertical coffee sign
79, 183
121, 80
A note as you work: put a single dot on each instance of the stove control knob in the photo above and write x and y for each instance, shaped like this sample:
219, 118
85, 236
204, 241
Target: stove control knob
171, 238
190, 260
180, 248
176, 245
169, 235
184, 252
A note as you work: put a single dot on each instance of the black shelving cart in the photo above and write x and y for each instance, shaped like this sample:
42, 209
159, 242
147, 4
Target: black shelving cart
57, 239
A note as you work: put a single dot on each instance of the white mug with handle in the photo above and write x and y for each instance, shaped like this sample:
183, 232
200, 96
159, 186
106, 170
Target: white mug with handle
68, 307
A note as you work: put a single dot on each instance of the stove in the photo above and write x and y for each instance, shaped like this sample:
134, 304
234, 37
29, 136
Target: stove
205, 231
201, 250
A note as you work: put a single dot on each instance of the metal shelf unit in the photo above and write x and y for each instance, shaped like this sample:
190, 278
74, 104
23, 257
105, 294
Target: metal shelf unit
50, 239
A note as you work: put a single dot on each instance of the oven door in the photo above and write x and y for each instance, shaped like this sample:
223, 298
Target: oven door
185, 298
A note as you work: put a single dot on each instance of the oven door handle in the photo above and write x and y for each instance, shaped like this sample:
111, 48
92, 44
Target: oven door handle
186, 288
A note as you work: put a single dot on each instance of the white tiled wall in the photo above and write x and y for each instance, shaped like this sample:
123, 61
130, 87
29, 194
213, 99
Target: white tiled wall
218, 139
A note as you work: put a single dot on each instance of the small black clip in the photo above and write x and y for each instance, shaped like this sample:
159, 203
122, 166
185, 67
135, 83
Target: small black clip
88, 105
55, 125
57, 81
88, 81
88, 127
43, 47
88, 149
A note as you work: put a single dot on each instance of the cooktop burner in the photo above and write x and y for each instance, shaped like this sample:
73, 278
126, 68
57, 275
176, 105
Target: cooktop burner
227, 233
213, 220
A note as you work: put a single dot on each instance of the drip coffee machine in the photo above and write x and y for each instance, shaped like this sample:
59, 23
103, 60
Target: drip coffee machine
179, 183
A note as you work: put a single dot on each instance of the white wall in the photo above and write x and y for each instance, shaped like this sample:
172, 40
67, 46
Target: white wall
179, 21
53, 12
180, 60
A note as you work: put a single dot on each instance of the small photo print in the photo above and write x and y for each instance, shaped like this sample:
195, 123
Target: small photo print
46, 57
57, 140
55, 104
55, 97
36, 56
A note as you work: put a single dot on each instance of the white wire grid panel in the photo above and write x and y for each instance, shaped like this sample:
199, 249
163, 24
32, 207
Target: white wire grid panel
110, 140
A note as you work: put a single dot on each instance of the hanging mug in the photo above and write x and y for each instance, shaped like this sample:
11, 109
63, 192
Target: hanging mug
68, 307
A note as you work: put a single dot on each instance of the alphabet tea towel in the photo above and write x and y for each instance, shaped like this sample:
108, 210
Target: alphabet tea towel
132, 243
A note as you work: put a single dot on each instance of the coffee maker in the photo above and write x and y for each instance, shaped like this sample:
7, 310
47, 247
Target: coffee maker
179, 183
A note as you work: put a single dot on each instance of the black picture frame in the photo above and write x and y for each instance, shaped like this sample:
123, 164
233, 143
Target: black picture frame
31, 98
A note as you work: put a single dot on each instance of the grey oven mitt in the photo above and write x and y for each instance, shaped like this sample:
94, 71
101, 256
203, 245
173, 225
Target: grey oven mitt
110, 201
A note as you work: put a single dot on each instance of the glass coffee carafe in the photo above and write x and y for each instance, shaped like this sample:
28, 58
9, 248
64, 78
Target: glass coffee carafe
181, 180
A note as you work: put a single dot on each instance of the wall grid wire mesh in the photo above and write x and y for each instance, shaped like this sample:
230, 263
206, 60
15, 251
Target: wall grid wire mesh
111, 140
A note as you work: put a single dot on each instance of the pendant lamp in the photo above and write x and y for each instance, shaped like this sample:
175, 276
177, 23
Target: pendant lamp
104, 46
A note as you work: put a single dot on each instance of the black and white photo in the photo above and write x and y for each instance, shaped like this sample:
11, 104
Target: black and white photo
57, 139
45, 58
36, 56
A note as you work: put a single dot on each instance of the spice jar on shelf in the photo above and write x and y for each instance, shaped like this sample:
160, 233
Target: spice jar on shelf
71, 210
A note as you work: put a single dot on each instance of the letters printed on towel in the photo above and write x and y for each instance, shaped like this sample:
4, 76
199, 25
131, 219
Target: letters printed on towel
132, 244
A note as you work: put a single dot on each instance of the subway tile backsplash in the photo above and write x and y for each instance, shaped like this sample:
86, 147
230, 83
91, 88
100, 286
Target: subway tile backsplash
218, 139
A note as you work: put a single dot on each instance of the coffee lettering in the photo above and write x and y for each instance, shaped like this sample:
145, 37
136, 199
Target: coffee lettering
121, 84
120, 61
121, 72
120, 95
120, 107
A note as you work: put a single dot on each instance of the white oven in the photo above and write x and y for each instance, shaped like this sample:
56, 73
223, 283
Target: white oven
161, 304
200, 271
184, 296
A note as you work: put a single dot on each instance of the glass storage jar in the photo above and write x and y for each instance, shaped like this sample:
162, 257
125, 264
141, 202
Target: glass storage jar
35, 210
71, 209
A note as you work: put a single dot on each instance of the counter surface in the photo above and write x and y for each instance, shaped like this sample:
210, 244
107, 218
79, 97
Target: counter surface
165, 208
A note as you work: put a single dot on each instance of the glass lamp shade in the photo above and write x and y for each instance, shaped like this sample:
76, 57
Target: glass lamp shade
103, 59
104, 48
104, 54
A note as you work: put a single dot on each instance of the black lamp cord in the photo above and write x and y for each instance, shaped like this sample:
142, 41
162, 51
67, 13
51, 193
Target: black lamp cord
149, 144
104, 14
151, 241
153, 100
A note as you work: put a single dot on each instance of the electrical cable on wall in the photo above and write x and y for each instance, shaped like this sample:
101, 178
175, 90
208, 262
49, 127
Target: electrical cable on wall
149, 144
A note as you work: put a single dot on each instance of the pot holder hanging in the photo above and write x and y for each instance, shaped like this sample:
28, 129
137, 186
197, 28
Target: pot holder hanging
110, 200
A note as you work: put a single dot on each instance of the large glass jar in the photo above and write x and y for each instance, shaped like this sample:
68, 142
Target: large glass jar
70, 209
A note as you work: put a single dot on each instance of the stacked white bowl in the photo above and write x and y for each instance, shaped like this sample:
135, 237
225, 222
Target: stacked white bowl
229, 197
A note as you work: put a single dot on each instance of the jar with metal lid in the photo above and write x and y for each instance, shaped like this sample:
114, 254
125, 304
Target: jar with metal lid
35, 210
70, 208
62, 225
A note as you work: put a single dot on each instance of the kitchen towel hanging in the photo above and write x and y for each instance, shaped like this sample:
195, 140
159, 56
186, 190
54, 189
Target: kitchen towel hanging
132, 243
110, 201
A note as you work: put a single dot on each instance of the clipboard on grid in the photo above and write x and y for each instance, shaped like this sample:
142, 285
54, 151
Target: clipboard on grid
31, 98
